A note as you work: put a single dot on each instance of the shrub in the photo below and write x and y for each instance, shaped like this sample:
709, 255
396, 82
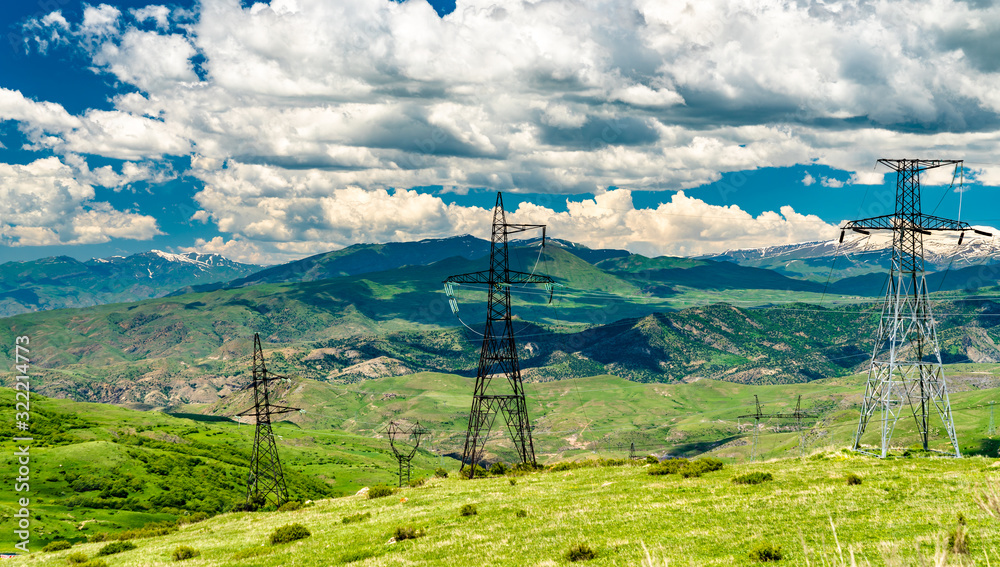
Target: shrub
522, 513
116, 547
290, 506
184, 552
853, 479
98, 538
406, 532
76, 558
468, 510
498, 468
765, 552
417, 482
195, 518
958, 541
652, 459
755, 477
355, 518
700, 466
57, 546
440, 473
480, 471
671, 466
288, 533
380, 490
580, 552
512, 480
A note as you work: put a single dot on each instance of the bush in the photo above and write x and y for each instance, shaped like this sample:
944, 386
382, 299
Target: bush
958, 541
116, 547
671, 466
380, 490
652, 459
184, 552
853, 479
468, 510
440, 473
195, 518
290, 506
522, 513
512, 480
406, 532
756, 477
98, 538
580, 552
355, 518
480, 471
76, 558
700, 466
498, 469
288, 533
765, 552
417, 482
57, 546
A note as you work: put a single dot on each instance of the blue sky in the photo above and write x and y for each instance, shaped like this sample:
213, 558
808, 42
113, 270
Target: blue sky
267, 132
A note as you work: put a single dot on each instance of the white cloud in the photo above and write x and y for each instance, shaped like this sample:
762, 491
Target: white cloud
319, 108
45, 202
276, 215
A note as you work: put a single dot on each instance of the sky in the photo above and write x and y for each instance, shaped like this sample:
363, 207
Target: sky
268, 132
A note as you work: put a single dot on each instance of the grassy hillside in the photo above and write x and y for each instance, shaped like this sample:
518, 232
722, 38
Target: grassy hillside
100, 468
625, 516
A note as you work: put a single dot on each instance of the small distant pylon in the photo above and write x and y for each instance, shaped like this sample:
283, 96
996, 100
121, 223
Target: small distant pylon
755, 434
631, 451
991, 430
404, 441
266, 481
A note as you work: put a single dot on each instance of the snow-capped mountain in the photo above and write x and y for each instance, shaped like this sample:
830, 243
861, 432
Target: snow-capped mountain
874, 251
60, 281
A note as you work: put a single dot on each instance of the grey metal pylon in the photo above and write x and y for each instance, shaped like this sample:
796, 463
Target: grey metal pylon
906, 359
498, 357
404, 441
265, 481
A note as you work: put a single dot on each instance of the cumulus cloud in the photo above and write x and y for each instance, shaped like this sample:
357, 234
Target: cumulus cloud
276, 215
303, 117
45, 203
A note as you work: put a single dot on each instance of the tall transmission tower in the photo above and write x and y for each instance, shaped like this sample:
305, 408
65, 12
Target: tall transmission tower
798, 415
991, 430
906, 359
498, 357
404, 440
265, 482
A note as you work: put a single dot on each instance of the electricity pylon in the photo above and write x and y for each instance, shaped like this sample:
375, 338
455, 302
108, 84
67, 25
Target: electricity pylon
757, 416
404, 440
498, 357
906, 359
265, 482
991, 430
798, 415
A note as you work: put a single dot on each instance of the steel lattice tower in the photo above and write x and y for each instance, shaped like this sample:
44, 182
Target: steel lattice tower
265, 481
404, 441
906, 359
498, 357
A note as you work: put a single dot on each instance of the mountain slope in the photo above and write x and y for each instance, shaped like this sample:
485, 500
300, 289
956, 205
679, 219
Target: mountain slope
60, 282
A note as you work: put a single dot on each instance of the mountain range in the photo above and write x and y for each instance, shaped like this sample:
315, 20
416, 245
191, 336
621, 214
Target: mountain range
60, 281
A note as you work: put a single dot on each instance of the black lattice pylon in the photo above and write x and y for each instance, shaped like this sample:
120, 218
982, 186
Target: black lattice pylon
266, 481
404, 441
905, 366
498, 357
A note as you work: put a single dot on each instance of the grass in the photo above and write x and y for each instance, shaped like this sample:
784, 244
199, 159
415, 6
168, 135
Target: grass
624, 514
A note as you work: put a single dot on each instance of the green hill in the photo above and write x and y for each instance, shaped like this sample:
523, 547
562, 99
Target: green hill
623, 515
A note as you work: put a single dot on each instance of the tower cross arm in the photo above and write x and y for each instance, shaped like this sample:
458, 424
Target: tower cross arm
526, 278
512, 278
919, 222
272, 410
515, 228
470, 278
